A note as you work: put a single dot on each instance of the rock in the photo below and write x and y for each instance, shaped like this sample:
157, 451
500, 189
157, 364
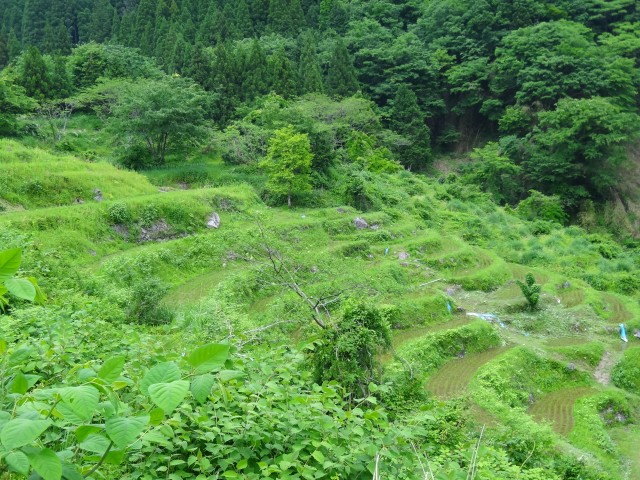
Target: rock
636, 333
155, 232
314, 269
360, 223
78, 200
375, 226
341, 210
97, 195
453, 289
460, 310
403, 256
370, 256
121, 230
571, 367
92, 253
213, 221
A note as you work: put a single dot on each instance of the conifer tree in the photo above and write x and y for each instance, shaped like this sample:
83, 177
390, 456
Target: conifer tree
282, 74
408, 120
200, 68
33, 22
256, 81
34, 77
207, 30
60, 80
101, 21
242, 22
13, 45
286, 16
309, 74
4, 51
341, 76
259, 10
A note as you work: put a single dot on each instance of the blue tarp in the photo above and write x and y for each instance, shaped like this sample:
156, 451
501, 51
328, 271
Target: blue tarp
623, 333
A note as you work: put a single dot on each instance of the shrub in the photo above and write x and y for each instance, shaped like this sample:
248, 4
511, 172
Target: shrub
146, 306
626, 374
119, 213
347, 352
530, 290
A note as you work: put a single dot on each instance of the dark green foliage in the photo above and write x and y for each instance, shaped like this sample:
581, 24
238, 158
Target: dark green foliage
531, 290
90, 62
347, 350
539, 206
160, 114
34, 76
341, 75
578, 147
414, 149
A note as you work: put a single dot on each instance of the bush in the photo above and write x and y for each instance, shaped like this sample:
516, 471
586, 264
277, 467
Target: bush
530, 290
348, 350
146, 306
626, 374
119, 213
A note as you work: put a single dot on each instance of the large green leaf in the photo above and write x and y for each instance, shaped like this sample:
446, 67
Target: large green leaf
169, 395
111, 369
9, 263
21, 288
18, 462
161, 373
124, 430
22, 431
46, 463
40, 295
201, 387
208, 357
19, 384
82, 400
95, 443
70, 472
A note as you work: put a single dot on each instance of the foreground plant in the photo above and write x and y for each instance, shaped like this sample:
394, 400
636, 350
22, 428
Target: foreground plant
22, 288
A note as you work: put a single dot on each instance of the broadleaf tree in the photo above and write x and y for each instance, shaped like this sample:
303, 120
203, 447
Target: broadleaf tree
288, 163
160, 115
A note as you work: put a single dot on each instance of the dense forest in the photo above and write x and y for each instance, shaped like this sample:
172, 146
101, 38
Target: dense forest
554, 84
320, 239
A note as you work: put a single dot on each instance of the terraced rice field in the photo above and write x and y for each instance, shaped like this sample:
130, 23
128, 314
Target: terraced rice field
619, 312
196, 288
566, 341
520, 271
557, 408
405, 335
571, 298
452, 379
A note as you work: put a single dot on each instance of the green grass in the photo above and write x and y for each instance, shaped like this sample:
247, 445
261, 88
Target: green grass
34, 178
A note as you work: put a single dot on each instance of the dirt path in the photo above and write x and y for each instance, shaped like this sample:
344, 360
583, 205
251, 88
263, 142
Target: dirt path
603, 370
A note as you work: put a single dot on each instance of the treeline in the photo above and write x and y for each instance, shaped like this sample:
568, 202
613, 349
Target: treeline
553, 83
